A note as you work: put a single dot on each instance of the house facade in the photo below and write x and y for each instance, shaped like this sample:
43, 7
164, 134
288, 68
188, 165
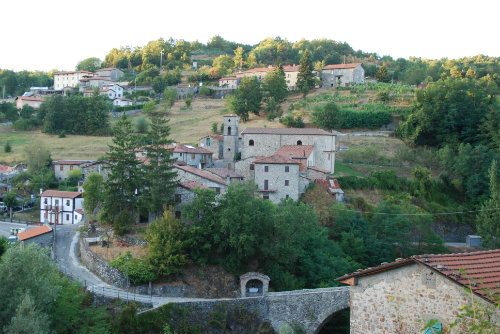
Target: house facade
229, 82
59, 206
112, 73
291, 75
277, 177
31, 101
43, 236
95, 167
184, 195
213, 143
404, 295
93, 83
342, 75
62, 168
189, 174
70, 79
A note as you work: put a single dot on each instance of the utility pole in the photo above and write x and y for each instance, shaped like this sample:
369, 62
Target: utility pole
161, 58
127, 278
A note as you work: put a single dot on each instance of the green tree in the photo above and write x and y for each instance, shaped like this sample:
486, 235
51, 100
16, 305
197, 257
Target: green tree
160, 177
125, 177
165, 238
7, 148
188, 102
170, 95
10, 200
149, 107
327, 117
305, 78
275, 90
27, 111
488, 219
382, 75
142, 122
214, 127
238, 57
28, 319
93, 192
90, 64
247, 98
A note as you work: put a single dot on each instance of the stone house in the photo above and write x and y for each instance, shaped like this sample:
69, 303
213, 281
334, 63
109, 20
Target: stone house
229, 82
185, 91
112, 73
184, 195
277, 177
266, 141
291, 75
402, 296
226, 174
63, 167
187, 174
31, 101
332, 187
59, 206
122, 102
93, 83
213, 143
42, 236
197, 157
95, 167
70, 79
342, 75
258, 72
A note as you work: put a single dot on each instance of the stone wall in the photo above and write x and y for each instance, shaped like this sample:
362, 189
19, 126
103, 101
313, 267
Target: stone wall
100, 267
276, 177
403, 300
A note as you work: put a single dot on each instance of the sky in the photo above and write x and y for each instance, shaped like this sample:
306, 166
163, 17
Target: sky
57, 34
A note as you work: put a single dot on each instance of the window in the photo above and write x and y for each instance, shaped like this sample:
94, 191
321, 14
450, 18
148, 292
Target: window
250, 142
178, 198
45, 201
217, 190
61, 168
287, 183
71, 167
287, 169
329, 156
228, 166
193, 156
208, 141
228, 130
287, 196
266, 169
299, 142
178, 214
252, 166
67, 202
266, 184
67, 217
265, 197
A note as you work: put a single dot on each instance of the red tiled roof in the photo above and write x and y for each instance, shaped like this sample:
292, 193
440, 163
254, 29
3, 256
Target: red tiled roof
201, 173
287, 131
95, 163
223, 172
30, 98
60, 193
95, 78
79, 211
331, 186
108, 69
70, 162
71, 72
275, 159
179, 148
34, 232
230, 78
4, 168
478, 270
192, 185
341, 66
321, 170
296, 151
259, 69
291, 68
216, 137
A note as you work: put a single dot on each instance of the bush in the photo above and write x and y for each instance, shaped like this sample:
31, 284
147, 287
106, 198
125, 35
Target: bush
139, 270
122, 223
330, 116
62, 134
291, 122
214, 127
26, 124
188, 102
7, 148
205, 91
142, 124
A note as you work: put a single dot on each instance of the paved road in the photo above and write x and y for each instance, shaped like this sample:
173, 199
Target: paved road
67, 238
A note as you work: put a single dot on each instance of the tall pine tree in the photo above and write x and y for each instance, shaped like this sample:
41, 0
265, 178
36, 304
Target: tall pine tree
275, 91
305, 78
160, 177
488, 219
125, 179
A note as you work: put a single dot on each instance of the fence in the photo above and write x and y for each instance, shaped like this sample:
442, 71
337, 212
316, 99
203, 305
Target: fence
116, 293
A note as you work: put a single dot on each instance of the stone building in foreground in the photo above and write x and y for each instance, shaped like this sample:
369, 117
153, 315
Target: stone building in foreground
402, 296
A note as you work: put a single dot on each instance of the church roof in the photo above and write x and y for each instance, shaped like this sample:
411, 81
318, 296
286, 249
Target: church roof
287, 131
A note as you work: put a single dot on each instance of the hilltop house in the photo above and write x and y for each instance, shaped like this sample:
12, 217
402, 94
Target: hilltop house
229, 82
32, 101
70, 79
213, 143
63, 207
342, 75
112, 73
402, 296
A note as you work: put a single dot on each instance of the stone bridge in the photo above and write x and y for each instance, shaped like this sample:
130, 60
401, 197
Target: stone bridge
311, 308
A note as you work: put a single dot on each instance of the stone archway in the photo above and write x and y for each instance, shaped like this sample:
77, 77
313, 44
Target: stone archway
254, 284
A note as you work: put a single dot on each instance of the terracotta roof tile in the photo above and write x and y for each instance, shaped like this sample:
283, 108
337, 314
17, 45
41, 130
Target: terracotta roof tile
201, 173
30, 98
72, 72
180, 148
479, 270
275, 159
287, 131
341, 66
79, 211
70, 162
321, 170
34, 232
60, 193
108, 69
296, 151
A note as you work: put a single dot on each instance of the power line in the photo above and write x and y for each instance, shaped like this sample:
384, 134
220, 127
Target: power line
420, 214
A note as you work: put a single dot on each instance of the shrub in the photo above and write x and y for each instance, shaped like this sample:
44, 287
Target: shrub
62, 134
214, 127
142, 124
205, 91
25, 124
188, 102
122, 223
139, 270
7, 148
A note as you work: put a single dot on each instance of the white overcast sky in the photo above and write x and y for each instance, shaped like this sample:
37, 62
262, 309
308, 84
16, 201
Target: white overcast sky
57, 34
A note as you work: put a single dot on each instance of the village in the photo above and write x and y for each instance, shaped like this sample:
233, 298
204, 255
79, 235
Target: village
282, 187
